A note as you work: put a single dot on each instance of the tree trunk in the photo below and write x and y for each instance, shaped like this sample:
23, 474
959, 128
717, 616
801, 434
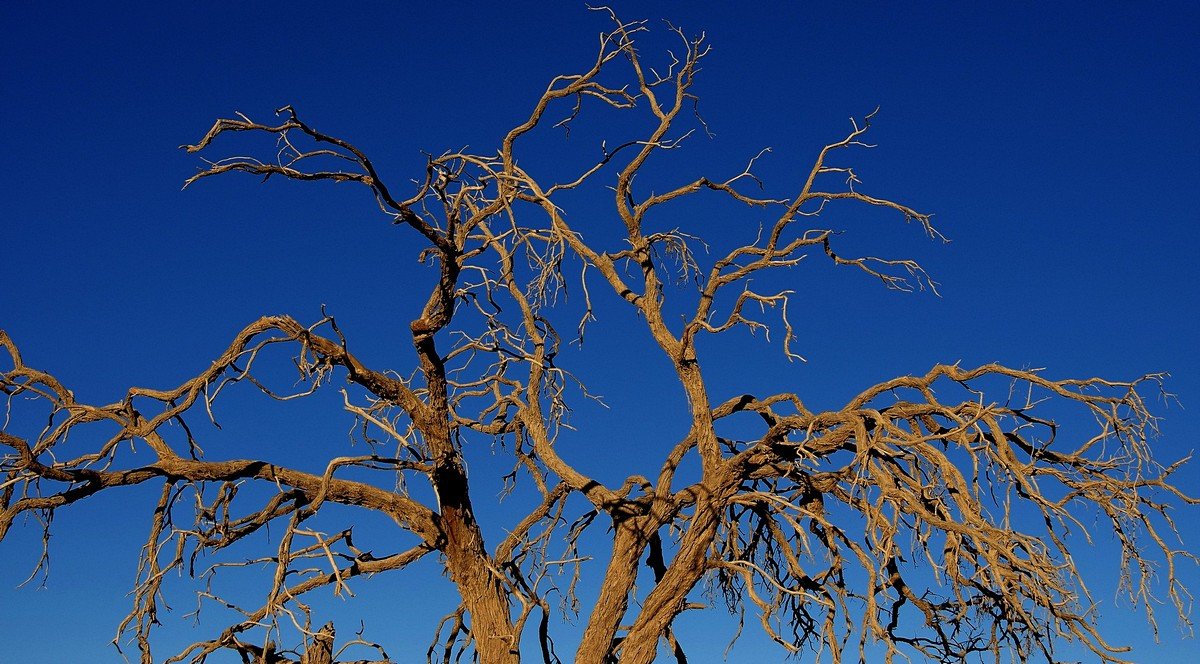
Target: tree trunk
472, 570
670, 595
629, 542
487, 602
320, 651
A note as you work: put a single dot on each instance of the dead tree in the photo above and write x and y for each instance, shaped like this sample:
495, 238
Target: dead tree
929, 516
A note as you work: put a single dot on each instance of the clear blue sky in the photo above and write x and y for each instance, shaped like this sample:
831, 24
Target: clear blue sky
1057, 144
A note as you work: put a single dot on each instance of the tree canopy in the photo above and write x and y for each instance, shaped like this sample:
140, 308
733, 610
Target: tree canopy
939, 515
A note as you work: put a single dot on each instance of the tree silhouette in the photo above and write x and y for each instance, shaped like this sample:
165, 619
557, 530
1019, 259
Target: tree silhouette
933, 515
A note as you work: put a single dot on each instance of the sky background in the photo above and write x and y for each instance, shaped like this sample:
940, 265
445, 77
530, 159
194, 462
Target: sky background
1057, 145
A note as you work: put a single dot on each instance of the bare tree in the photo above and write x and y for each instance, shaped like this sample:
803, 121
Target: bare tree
887, 526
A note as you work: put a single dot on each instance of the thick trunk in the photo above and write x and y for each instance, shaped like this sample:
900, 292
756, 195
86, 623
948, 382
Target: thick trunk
320, 651
670, 595
487, 602
596, 646
483, 591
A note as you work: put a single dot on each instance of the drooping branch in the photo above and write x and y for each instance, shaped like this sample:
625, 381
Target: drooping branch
900, 477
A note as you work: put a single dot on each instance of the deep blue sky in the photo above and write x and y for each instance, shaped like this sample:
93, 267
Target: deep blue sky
1057, 145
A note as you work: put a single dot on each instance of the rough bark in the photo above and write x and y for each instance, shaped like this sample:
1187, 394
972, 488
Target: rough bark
917, 476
